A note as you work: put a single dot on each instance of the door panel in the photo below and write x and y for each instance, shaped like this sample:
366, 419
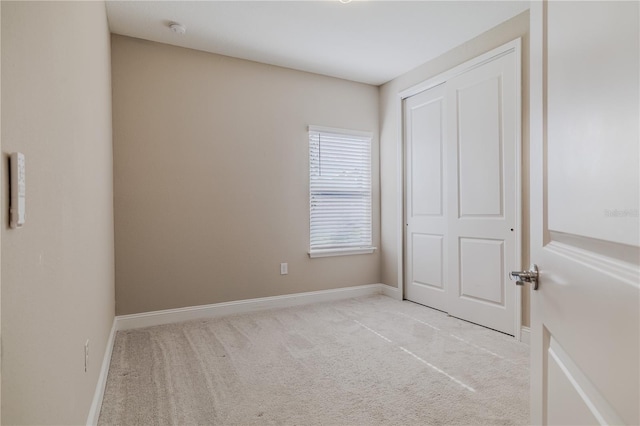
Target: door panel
566, 405
480, 148
481, 267
585, 322
592, 103
428, 271
426, 159
425, 210
482, 158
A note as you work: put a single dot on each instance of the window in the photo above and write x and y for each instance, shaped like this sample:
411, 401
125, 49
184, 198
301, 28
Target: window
339, 192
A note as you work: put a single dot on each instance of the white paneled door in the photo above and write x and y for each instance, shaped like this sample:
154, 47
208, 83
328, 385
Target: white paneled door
462, 142
585, 325
426, 210
483, 136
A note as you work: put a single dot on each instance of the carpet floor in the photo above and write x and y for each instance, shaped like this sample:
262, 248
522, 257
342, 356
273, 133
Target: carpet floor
363, 361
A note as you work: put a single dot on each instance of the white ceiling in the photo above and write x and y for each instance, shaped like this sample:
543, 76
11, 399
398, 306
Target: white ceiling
366, 41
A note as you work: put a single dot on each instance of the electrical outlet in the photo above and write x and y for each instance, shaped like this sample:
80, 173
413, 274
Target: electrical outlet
284, 268
86, 355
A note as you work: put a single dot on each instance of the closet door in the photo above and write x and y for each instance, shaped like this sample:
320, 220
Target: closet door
462, 186
483, 133
425, 204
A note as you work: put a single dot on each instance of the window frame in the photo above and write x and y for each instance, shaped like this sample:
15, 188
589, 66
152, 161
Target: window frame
341, 251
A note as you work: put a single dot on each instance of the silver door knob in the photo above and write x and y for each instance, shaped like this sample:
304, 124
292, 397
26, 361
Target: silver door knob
530, 276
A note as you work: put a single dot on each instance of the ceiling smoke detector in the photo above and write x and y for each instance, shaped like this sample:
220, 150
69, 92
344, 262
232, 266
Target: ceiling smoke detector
177, 28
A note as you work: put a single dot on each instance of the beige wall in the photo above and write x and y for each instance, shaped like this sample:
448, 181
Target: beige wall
390, 126
211, 177
57, 271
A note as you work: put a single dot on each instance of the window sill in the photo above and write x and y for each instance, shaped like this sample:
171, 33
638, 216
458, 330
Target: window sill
341, 252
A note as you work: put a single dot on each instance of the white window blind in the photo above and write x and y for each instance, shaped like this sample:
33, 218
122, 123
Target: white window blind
340, 192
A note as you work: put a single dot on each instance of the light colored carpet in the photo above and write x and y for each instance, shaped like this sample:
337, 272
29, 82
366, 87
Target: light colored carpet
364, 361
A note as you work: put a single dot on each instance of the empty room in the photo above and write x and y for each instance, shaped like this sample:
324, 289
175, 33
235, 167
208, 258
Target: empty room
337, 212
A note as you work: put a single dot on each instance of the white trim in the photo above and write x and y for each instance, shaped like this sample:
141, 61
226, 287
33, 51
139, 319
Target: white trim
517, 48
169, 316
462, 68
340, 252
525, 335
146, 319
512, 46
616, 269
518, 290
537, 127
590, 395
400, 164
393, 292
322, 129
96, 404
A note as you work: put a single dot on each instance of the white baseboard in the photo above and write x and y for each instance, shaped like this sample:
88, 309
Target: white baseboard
96, 404
147, 319
525, 335
393, 292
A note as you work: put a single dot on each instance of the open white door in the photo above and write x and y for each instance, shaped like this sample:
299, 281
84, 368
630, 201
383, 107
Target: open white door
584, 212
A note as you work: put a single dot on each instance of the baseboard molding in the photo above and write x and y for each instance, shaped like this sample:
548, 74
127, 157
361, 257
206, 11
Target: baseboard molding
98, 395
147, 319
393, 292
525, 335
